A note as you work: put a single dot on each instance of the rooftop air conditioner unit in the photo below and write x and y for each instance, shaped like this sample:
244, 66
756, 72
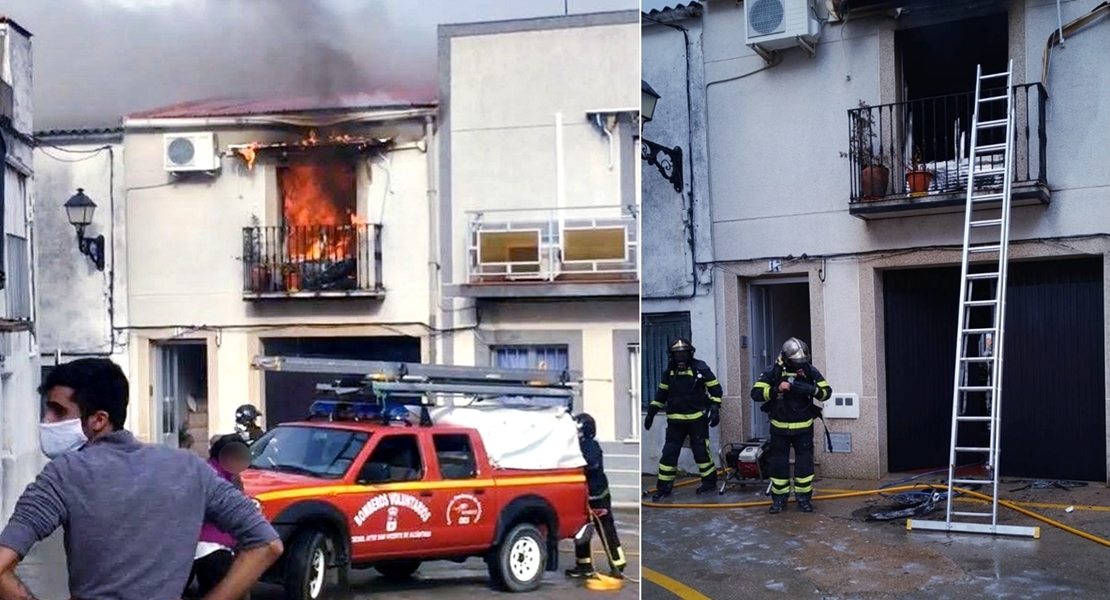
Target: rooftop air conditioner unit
772, 25
189, 152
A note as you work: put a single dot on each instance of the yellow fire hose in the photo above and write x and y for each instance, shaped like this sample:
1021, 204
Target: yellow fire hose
1015, 506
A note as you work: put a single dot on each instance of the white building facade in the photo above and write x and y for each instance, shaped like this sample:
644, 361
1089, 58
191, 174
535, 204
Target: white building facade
837, 184
539, 195
20, 408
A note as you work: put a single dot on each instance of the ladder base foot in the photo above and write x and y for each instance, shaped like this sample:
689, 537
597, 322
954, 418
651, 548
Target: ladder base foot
1008, 530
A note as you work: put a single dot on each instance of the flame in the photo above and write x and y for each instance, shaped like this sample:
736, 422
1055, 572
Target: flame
319, 205
249, 154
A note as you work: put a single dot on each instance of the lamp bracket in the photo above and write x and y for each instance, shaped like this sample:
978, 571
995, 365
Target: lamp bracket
92, 247
667, 160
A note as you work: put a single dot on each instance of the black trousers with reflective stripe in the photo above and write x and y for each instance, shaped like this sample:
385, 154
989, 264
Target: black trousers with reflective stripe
698, 432
606, 527
779, 461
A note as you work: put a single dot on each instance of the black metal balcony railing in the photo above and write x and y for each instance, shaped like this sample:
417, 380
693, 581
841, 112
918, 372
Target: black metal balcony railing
931, 137
312, 260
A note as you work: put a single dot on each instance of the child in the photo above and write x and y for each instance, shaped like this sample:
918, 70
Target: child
229, 456
601, 505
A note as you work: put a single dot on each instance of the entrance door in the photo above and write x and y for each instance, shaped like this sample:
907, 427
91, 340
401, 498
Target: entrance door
180, 390
779, 311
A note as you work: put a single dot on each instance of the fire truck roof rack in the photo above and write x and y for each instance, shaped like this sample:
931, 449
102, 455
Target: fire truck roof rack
383, 371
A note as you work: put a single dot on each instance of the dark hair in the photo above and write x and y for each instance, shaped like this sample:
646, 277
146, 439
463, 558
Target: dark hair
98, 384
226, 442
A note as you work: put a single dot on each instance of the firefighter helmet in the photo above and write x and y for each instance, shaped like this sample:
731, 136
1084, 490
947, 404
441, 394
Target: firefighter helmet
795, 353
587, 426
247, 414
681, 345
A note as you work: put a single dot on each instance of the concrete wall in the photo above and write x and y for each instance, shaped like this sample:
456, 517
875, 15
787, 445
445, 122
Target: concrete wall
780, 188
507, 81
20, 457
185, 246
76, 298
674, 65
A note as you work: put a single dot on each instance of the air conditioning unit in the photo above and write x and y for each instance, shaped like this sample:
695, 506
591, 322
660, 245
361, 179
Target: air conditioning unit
186, 152
780, 24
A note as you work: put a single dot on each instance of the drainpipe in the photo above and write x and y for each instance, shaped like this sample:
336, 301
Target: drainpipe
433, 250
1057, 36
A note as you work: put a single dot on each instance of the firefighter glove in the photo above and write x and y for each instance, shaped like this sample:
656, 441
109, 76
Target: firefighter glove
714, 416
804, 388
650, 417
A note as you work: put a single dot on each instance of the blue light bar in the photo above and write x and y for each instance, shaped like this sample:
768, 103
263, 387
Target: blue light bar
338, 410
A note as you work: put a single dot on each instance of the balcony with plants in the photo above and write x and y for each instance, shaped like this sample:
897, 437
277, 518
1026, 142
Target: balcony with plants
912, 158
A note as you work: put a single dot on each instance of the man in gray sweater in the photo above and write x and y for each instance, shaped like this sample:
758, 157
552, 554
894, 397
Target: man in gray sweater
132, 512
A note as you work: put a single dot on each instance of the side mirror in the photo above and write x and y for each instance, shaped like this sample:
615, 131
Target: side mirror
374, 472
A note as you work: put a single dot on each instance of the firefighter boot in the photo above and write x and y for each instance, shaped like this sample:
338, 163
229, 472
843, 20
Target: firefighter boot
707, 485
660, 493
804, 503
779, 503
581, 571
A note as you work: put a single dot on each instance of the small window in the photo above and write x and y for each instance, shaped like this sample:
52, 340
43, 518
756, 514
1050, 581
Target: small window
547, 358
455, 456
399, 455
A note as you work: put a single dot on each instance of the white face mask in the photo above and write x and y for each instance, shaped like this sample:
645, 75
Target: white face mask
59, 438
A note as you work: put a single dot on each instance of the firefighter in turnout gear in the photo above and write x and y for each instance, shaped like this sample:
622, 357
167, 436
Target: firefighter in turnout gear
691, 396
601, 507
789, 391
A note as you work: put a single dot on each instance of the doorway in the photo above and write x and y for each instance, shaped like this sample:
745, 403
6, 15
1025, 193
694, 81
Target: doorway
180, 400
779, 311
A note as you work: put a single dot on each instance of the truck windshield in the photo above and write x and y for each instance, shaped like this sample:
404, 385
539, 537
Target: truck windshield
313, 451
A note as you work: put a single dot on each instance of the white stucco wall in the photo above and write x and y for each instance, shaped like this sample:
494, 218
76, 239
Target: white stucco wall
506, 89
20, 457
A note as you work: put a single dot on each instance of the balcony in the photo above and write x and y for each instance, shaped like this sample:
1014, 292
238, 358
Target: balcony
568, 252
312, 261
930, 137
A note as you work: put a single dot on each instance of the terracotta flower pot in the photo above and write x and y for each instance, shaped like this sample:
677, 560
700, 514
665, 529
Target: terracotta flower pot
874, 180
918, 181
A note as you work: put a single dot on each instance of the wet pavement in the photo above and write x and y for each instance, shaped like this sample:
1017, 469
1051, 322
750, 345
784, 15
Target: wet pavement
44, 573
746, 553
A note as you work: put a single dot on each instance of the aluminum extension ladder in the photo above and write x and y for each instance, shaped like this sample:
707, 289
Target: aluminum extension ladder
989, 339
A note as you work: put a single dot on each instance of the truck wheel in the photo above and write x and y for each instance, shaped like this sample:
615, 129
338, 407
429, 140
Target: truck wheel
519, 562
397, 570
306, 566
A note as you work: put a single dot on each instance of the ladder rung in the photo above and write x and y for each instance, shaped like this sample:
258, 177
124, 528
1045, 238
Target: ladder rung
991, 248
962, 449
994, 98
963, 513
980, 330
978, 358
976, 388
986, 198
990, 148
972, 481
974, 419
981, 303
987, 172
992, 124
995, 75
986, 223
982, 275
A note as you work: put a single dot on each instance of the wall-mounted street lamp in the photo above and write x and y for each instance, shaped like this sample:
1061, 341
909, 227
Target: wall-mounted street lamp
80, 210
667, 160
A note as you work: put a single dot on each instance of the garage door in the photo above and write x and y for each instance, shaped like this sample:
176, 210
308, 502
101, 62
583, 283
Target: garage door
1054, 414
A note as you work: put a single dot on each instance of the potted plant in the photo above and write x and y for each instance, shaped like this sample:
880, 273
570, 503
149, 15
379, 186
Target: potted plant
874, 174
918, 178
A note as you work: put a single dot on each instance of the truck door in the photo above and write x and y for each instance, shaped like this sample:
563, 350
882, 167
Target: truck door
471, 510
397, 515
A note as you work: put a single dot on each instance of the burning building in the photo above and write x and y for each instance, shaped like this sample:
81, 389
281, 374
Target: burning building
263, 228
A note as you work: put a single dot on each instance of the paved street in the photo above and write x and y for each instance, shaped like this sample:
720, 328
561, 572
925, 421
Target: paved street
835, 554
44, 572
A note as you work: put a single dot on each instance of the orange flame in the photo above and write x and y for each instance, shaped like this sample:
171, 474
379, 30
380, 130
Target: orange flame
319, 203
249, 154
